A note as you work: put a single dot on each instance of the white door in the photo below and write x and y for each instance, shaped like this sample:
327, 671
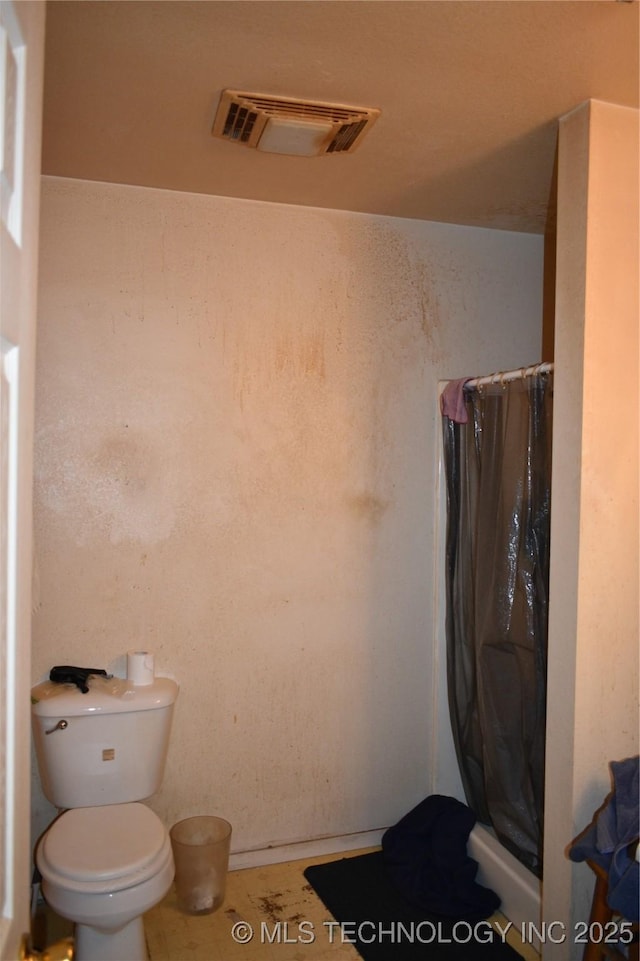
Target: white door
21, 76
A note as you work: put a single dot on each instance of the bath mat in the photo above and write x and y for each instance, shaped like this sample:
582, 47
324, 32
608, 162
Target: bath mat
380, 924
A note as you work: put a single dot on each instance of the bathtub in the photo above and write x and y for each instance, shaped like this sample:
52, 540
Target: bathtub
518, 889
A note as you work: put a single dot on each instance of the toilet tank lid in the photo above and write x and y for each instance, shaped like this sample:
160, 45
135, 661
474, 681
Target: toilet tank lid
105, 696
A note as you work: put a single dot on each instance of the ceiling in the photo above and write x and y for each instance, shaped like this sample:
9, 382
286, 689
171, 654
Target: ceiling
470, 92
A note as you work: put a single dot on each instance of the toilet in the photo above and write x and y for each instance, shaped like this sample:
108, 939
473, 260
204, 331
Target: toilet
106, 859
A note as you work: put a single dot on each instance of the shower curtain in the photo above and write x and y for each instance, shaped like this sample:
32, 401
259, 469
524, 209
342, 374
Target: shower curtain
498, 477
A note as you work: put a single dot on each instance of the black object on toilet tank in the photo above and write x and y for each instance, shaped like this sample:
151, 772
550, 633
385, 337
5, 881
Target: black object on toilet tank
68, 674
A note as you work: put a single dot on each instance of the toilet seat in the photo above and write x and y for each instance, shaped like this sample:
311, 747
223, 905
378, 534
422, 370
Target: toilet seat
104, 849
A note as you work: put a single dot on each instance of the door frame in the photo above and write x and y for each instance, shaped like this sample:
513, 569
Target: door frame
21, 93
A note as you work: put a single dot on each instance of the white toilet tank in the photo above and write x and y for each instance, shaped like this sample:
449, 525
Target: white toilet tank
107, 746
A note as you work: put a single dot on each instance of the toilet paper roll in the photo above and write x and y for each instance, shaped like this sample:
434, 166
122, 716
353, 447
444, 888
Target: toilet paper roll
140, 668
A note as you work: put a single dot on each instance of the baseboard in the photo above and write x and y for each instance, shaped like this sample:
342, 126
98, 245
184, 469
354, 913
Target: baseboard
304, 849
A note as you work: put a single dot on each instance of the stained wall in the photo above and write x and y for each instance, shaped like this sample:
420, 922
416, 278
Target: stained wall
235, 433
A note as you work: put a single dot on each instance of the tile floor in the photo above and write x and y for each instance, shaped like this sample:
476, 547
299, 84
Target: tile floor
288, 920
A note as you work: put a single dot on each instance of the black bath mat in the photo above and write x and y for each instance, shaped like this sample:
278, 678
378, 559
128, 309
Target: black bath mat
385, 927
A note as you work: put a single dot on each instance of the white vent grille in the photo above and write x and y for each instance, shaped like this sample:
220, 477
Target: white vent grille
333, 128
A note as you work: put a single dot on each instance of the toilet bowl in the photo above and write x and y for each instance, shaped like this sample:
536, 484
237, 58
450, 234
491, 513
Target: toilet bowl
103, 867
101, 747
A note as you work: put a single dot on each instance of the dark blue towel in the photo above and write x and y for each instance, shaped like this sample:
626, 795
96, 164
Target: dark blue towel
611, 840
425, 855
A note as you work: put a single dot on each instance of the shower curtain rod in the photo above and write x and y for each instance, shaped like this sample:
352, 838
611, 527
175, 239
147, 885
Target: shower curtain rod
503, 375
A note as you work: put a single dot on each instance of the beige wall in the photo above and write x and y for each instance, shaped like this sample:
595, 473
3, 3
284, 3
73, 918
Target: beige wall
593, 628
235, 467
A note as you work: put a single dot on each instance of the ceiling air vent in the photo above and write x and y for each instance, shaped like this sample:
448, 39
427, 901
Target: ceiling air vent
304, 128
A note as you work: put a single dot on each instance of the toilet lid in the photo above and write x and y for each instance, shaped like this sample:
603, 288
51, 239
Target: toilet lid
104, 843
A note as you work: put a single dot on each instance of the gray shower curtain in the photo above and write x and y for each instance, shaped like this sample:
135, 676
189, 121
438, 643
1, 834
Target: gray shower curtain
498, 475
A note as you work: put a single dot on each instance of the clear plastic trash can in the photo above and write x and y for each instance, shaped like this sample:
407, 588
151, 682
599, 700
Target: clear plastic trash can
201, 854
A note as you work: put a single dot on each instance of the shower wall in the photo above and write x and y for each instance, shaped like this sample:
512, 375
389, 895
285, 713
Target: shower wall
235, 433
593, 665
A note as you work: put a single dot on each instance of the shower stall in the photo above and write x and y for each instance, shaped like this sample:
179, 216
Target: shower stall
491, 622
